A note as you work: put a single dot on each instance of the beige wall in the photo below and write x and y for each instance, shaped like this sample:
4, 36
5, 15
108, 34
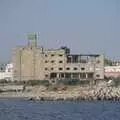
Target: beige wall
30, 64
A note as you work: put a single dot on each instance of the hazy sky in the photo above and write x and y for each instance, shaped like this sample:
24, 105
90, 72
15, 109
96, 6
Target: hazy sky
86, 26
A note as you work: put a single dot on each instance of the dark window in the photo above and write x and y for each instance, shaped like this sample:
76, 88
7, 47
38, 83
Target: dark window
46, 68
46, 75
82, 75
67, 75
69, 59
60, 68
61, 61
76, 75
67, 68
53, 81
98, 62
62, 75
52, 55
97, 75
82, 68
53, 75
90, 75
1, 69
52, 68
46, 61
52, 61
60, 55
9, 70
75, 68
75, 59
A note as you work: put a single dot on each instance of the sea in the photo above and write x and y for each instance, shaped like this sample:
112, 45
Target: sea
22, 109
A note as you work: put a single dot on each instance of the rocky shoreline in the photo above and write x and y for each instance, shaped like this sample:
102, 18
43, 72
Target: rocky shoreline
66, 93
78, 94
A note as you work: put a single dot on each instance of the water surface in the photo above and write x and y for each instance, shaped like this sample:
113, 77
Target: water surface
16, 109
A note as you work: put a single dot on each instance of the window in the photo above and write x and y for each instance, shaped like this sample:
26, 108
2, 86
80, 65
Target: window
46, 61
82, 68
46, 69
75, 68
75, 75
52, 61
60, 55
52, 55
60, 68
53, 81
67, 68
62, 75
52, 68
9, 70
61, 61
1, 68
90, 75
53, 75
46, 75
67, 75
98, 61
45, 55
97, 75
82, 75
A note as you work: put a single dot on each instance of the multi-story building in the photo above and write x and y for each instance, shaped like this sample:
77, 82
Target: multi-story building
32, 62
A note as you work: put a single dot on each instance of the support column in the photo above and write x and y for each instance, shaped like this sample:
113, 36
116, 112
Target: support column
58, 75
79, 75
71, 75
86, 76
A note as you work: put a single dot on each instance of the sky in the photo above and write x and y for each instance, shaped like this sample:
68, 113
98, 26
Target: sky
85, 26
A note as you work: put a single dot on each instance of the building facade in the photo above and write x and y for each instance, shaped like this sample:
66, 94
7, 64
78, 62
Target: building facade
6, 72
32, 62
112, 71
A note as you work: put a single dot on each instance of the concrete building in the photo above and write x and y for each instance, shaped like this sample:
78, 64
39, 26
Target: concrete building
32, 62
6, 72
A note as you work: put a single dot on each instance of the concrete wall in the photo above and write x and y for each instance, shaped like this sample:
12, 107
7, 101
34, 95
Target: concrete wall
37, 63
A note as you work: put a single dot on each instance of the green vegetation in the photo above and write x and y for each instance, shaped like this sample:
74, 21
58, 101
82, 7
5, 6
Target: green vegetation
37, 82
30, 82
69, 81
74, 82
107, 62
116, 81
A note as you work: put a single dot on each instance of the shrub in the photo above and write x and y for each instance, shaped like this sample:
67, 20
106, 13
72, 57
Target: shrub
69, 81
38, 82
116, 81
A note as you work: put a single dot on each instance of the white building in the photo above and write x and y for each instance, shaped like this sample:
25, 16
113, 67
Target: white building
112, 71
6, 72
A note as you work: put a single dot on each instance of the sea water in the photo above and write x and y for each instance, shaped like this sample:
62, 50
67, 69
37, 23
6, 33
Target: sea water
21, 109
